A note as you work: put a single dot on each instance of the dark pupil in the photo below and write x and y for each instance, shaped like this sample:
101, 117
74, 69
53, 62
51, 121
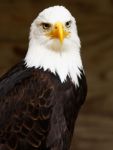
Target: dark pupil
46, 25
68, 23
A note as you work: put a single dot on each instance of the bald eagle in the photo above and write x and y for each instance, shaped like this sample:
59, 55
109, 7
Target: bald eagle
41, 96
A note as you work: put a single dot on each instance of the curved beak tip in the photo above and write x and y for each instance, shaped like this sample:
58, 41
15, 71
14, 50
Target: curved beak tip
59, 32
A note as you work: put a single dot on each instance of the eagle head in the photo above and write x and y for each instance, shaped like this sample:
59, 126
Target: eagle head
54, 43
55, 29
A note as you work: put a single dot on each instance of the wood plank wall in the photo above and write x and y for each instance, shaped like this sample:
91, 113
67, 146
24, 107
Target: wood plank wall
94, 127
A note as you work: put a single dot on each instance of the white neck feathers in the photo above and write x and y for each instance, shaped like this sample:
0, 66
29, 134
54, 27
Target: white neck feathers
65, 63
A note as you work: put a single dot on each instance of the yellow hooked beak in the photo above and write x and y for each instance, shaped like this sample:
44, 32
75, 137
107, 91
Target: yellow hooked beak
59, 32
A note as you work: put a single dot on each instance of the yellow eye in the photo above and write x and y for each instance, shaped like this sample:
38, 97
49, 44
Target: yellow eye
68, 24
46, 26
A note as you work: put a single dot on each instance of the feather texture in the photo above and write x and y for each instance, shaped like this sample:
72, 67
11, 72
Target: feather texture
37, 111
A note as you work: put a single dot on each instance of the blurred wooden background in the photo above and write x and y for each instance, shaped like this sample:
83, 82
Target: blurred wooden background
94, 127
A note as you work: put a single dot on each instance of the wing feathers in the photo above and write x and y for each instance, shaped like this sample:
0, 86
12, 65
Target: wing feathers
37, 111
25, 109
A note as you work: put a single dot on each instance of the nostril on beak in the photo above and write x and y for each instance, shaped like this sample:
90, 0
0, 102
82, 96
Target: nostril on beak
55, 27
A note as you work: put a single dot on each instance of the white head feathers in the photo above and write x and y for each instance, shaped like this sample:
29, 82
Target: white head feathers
45, 49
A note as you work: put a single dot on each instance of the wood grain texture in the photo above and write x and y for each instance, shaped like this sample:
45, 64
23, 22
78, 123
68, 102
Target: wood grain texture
94, 128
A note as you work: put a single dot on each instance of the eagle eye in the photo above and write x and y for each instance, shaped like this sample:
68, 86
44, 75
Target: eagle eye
68, 24
46, 26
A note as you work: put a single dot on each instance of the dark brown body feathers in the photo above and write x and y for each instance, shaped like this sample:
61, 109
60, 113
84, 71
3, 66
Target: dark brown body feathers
37, 111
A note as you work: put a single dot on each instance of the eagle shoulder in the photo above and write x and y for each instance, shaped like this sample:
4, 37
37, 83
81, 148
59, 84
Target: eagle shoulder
25, 108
